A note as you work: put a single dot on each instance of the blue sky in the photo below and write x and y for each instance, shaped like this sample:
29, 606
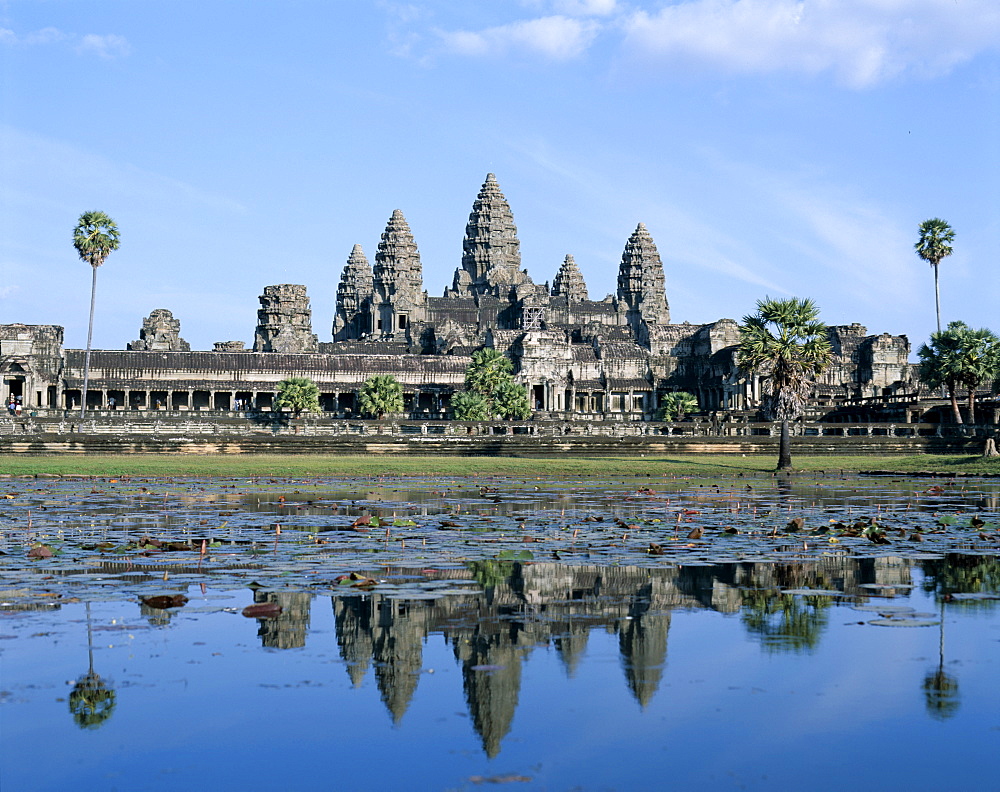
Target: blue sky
772, 147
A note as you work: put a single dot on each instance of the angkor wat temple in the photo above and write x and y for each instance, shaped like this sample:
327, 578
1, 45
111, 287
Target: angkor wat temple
604, 359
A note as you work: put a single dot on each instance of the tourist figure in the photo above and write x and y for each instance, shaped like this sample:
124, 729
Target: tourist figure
111, 402
12, 404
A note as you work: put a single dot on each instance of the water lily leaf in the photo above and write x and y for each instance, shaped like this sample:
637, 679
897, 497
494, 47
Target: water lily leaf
262, 610
164, 601
40, 551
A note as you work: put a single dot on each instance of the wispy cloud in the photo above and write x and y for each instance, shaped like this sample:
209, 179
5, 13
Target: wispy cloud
861, 42
702, 246
857, 249
108, 46
575, 7
555, 37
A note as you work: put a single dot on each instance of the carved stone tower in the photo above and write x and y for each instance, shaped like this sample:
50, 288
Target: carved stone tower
284, 321
491, 252
357, 285
569, 282
160, 332
398, 280
642, 294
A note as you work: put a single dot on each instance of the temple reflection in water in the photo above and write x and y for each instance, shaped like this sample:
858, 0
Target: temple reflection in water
521, 606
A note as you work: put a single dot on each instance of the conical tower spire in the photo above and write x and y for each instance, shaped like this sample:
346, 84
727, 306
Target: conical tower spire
397, 262
641, 286
491, 251
357, 283
569, 282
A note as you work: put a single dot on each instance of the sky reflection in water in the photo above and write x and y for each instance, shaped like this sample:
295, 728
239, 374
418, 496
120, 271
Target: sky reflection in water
554, 677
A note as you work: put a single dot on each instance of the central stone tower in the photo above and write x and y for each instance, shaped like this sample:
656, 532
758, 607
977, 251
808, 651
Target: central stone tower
491, 251
642, 296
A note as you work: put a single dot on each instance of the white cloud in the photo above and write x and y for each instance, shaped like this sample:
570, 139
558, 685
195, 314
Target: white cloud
555, 37
862, 42
108, 46
586, 7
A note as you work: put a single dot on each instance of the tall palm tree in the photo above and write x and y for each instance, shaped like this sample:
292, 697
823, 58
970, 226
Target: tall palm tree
959, 355
934, 244
786, 345
94, 238
980, 363
941, 364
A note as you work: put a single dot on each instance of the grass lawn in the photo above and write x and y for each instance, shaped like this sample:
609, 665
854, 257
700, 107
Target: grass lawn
565, 466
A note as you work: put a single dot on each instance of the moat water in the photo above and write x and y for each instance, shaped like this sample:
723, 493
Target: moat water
460, 634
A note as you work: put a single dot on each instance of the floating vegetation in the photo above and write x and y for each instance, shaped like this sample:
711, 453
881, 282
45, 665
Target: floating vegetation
82, 536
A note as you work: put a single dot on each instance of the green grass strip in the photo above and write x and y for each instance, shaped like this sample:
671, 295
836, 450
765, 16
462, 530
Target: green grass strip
564, 466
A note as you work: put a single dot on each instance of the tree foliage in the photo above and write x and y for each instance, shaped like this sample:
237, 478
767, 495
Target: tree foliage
674, 406
490, 368
959, 356
786, 345
490, 390
469, 406
298, 394
934, 245
381, 395
95, 238
510, 400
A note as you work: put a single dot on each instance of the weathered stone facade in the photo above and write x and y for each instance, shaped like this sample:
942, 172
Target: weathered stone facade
31, 364
579, 358
160, 333
284, 321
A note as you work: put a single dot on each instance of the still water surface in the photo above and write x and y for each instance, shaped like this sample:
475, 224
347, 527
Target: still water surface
588, 664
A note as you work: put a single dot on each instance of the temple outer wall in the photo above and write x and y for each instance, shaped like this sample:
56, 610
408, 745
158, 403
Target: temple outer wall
455, 438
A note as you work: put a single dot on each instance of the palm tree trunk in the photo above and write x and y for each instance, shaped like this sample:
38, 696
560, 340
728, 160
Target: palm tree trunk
952, 394
937, 297
972, 406
784, 448
90, 334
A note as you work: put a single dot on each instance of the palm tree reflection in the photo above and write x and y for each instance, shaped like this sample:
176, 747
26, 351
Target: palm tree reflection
785, 621
941, 688
92, 700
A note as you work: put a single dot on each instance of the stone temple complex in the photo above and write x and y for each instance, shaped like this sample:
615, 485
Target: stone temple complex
579, 358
